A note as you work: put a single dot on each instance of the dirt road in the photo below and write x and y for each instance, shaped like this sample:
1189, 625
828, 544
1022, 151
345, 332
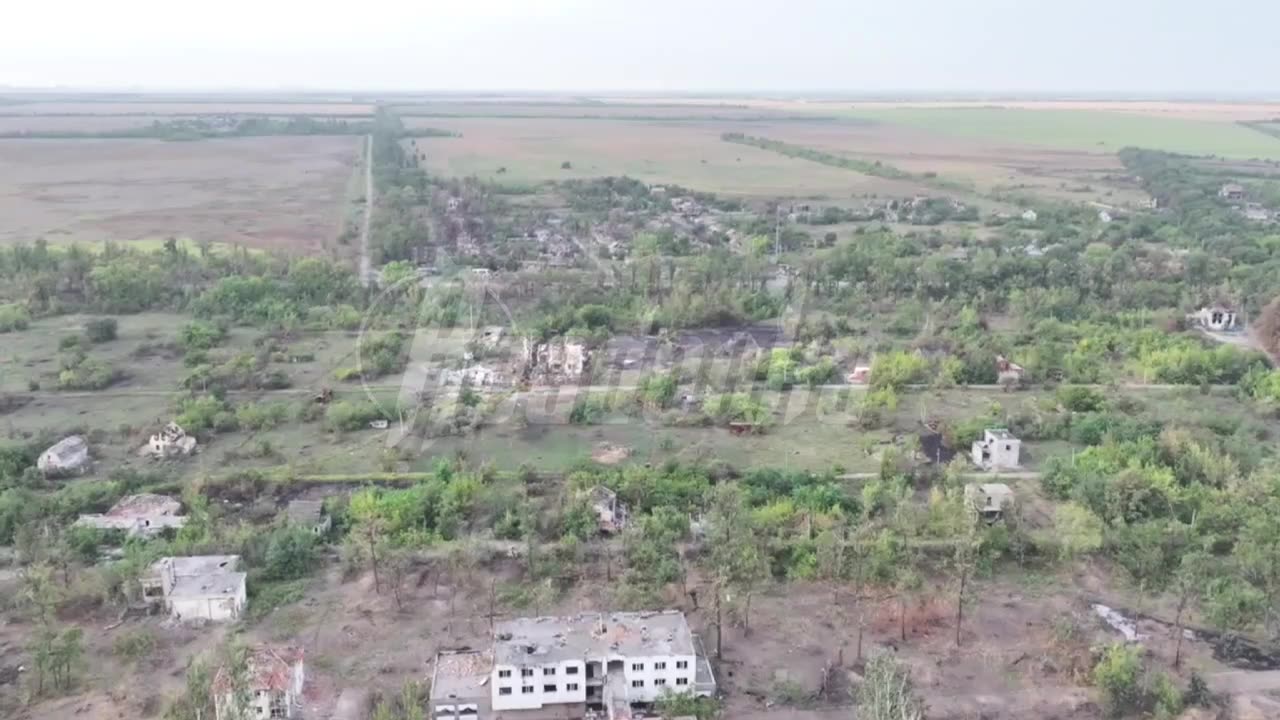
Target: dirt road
366, 266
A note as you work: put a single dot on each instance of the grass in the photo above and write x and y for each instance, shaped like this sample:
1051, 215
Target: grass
1086, 130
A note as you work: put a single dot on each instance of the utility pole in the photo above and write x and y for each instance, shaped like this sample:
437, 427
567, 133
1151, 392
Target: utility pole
777, 231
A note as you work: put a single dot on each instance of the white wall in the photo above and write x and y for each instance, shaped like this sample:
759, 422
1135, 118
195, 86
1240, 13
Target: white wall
219, 607
649, 675
561, 678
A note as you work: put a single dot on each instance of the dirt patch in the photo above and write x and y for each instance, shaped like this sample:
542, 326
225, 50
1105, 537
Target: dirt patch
610, 454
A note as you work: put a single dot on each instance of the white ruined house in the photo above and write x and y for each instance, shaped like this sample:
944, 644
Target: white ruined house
68, 456
271, 688
202, 587
556, 358
998, 449
567, 667
142, 515
1215, 317
170, 441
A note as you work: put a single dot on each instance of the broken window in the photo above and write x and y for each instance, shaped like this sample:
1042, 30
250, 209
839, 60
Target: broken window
637, 683
279, 707
548, 671
526, 672
571, 687
571, 670
504, 691
682, 681
549, 688
504, 673
637, 666
659, 666
682, 664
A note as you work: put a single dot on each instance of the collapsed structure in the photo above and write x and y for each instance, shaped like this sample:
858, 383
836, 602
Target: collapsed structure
556, 359
142, 515
170, 441
1214, 317
988, 501
68, 456
571, 667
611, 513
308, 514
201, 587
271, 687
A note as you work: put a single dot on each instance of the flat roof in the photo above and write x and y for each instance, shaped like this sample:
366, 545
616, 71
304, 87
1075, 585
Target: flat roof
200, 564
1001, 433
227, 584
590, 635
462, 675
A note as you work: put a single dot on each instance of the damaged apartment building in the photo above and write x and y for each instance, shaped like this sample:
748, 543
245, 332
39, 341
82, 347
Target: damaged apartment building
202, 587
600, 665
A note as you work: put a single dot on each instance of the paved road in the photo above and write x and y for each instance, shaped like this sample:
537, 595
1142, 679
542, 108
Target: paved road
366, 267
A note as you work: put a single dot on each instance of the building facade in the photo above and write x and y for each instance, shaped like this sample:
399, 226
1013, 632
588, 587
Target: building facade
998, 449
202, 587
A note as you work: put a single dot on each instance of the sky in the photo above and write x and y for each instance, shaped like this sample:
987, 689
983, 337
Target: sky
1225, 47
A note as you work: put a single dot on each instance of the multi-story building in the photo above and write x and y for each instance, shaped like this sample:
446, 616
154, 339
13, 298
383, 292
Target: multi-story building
572, 667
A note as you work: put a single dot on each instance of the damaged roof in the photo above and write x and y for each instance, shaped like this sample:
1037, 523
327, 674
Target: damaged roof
305, 512
462, 675
268, 668
144, 504
554, 639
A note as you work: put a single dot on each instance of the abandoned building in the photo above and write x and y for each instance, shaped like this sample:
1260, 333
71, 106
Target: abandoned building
1256, 212
143, 515
1215, 317
988, 501
475, 376
1030, 215
1008, 373
274, 678
565, 667
202, 587
998, 449
308, 514
559, 358
861, 375
1231, 191
68, 456
611, 513
171, 441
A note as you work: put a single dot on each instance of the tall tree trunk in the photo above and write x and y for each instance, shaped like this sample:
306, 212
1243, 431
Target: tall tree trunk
1177, 628
964, 577
719, 626
902, 617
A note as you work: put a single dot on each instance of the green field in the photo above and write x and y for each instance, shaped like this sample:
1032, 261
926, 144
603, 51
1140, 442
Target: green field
1085, 130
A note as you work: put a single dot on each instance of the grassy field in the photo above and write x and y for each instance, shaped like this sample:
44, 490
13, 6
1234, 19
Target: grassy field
686, 153
1084, 130
277, 192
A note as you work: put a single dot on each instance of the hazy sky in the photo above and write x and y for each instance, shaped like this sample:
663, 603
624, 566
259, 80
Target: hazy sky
1167, 46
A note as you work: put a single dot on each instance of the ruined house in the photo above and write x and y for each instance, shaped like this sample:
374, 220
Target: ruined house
171, 441
68, 456
988, 501
1231, 191
271, 688
308, 514
1215, 317
997, 449
476, 376
201, 587
555, 359
143, 515
1008, 373
1030, 215
611, 513
594, 664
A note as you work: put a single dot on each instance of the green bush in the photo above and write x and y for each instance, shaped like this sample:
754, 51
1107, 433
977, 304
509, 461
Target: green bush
206, 414
1118, 675
100, 330
81, 372
346, 416
134, 644
261, 416
1077, 398
13, 317
201, 335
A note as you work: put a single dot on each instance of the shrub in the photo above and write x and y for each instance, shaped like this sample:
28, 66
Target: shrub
1077, 398
261, 416
1118, 676
201, 335
85, 373
100, 330
206, 414
134, 644
13, 317
344, 415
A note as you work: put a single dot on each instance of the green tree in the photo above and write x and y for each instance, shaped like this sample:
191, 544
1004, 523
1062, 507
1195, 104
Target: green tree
887, 692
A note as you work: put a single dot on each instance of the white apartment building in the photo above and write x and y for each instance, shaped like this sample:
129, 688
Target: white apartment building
569, 667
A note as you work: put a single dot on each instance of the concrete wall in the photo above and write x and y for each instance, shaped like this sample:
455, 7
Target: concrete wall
654, 680
213, 607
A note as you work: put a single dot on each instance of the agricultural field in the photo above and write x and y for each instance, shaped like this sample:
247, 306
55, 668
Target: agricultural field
284, 193
684, 153
1082, 130
161, 108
